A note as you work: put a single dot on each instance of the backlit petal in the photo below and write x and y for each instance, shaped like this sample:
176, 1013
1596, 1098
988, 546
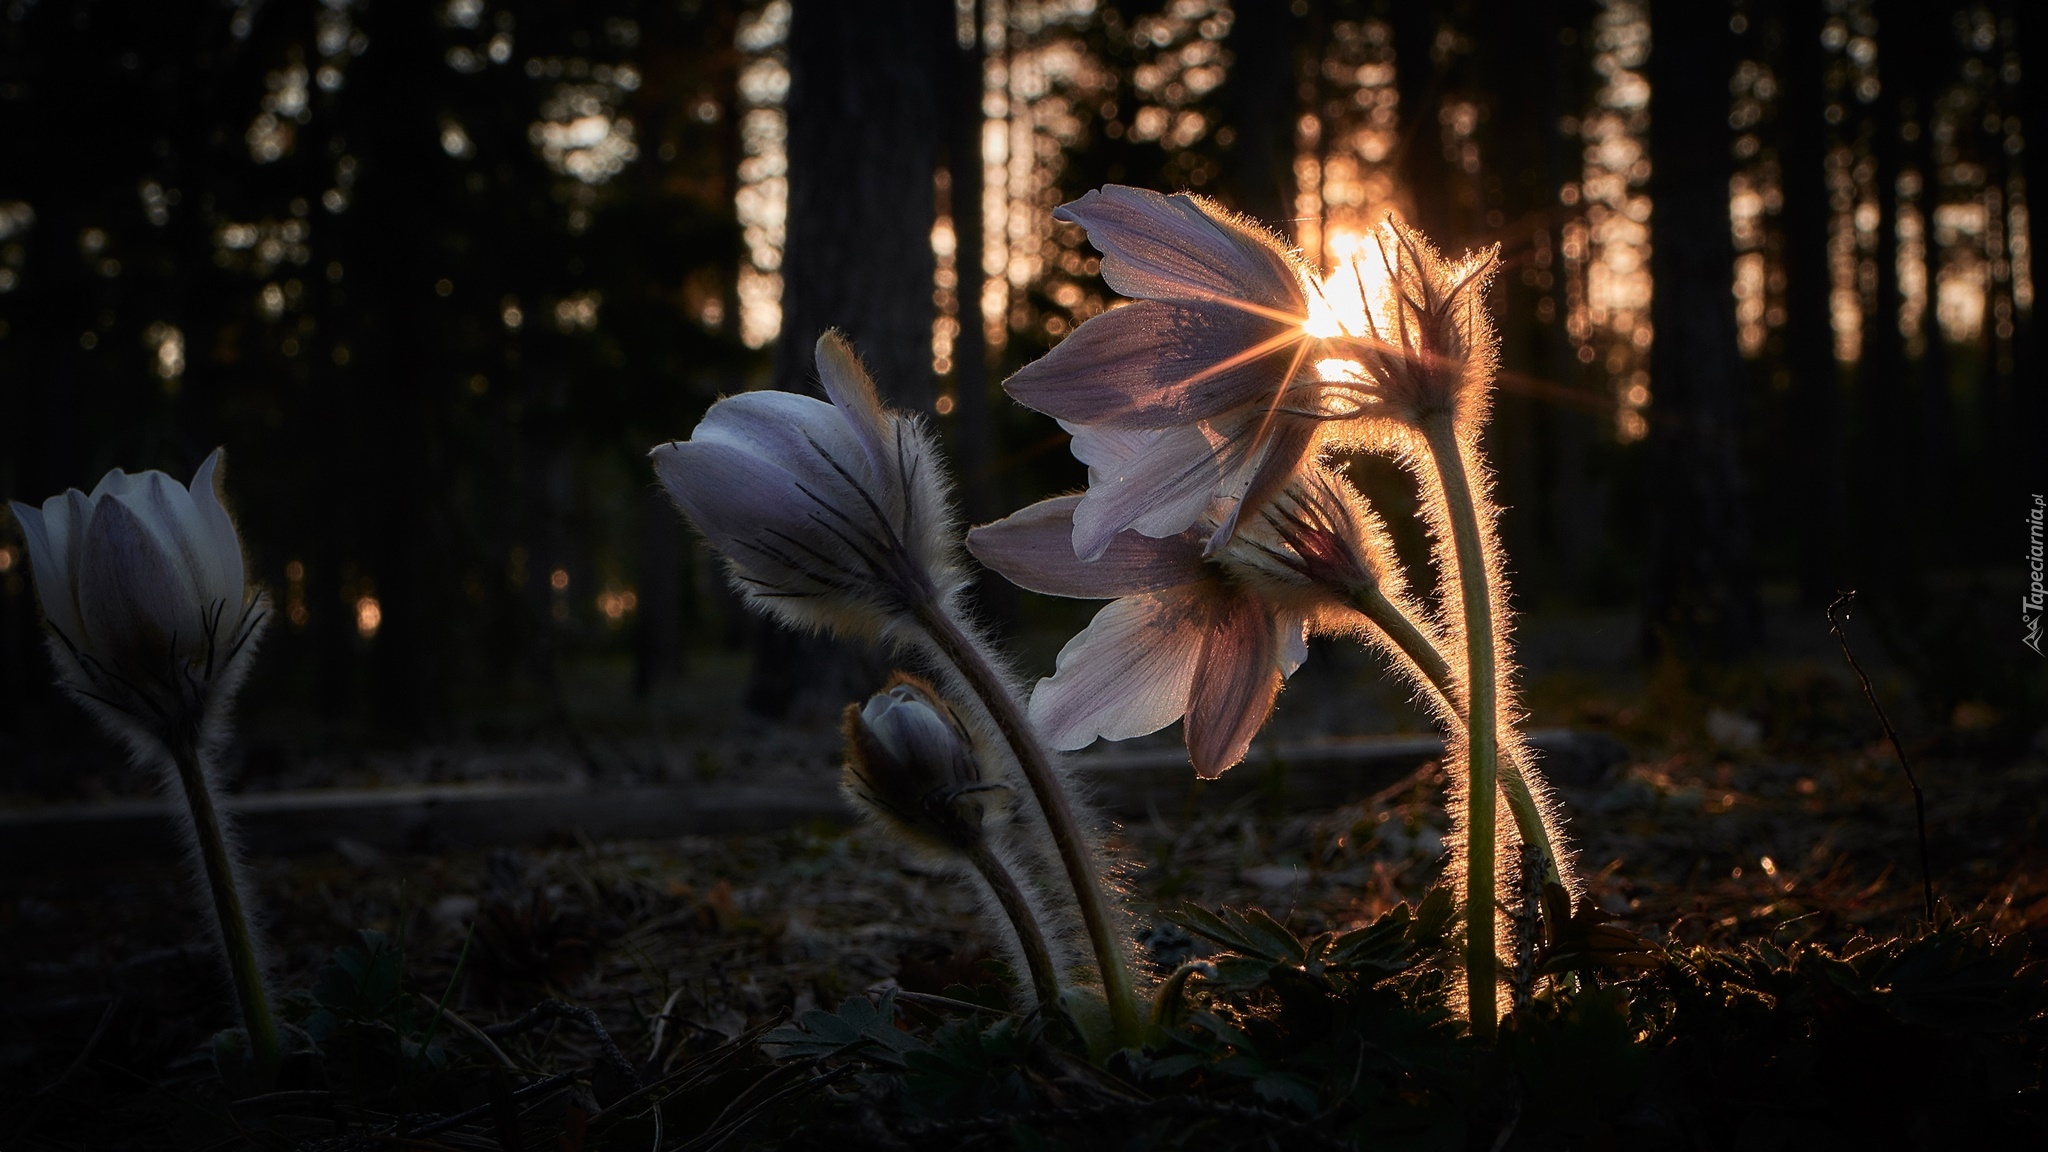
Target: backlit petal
749, 508
802, 436
1128, 673
1160, 490
166, 509
852, 392
1151, 365
1180, 247
1034, 548
1234, 695
50, 560
1289, 444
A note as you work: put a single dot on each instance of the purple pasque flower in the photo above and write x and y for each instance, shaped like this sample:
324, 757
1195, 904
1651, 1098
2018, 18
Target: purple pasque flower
831, 515
1134, 669
1213, 350
1209, 635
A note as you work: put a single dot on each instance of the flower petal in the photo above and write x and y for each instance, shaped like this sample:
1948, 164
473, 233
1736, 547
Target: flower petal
1152, 365
1240, 680
134, 593
1183, 248
806, 437
750, 509
218, 538
166, 508
115, 483
1162, 489
852, 392
1288, 444
47, 530
1034, 549
1128, 672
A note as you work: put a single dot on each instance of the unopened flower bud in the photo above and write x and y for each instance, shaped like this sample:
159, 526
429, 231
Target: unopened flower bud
1315, 543
831, 516
1412, 328
143, 589
910, 762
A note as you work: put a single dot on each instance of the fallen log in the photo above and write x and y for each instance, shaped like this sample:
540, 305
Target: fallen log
1127, 785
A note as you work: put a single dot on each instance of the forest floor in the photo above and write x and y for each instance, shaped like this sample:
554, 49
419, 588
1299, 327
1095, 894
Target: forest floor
1789, 822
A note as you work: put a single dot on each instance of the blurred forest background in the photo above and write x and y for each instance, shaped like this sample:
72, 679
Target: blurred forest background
439, 274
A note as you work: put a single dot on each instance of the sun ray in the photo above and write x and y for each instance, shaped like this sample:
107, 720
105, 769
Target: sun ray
1263, 348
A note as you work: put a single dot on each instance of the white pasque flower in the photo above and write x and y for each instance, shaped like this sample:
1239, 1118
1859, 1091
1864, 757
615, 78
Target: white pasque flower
831, 515
144, 591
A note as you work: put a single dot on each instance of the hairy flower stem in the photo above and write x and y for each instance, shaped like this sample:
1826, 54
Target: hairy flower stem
1045, 980
1481, 739
227, 904
1415, 644
1074, 852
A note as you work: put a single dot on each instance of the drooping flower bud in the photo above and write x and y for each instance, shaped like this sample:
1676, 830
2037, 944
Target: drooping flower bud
1315, 543
911, 763
831, 515
143, 589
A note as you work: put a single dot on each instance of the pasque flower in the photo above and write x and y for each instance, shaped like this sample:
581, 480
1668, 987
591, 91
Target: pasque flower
1179, 639
1213, 351
830, 515
1418, 340
143, 589
911, 762
1205, 635
835, 516
1203, 409
912, 766
152, 627
1247, 359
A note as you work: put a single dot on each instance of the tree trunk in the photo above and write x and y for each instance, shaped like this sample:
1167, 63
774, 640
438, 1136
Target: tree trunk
1417, 79
864, 134
1262, 98
973, 436
1881, 441
407, 557
1928, 38
1702, 598
1576, 530
864, 138
1812, 449
2030, 468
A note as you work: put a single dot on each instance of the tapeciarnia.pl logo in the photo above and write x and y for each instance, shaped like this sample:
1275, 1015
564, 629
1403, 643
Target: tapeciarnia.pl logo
2035, 601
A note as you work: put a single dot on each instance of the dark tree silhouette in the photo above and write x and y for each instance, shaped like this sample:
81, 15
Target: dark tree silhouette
1813, 407
2031, 467
865, 133
1262, 96
1702, 596
1420, 83
1881, 422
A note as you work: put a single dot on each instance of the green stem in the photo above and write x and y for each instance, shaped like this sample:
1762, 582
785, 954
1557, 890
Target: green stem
227, 904
1045, 980
1414, 643
1481, 740
1073, 849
